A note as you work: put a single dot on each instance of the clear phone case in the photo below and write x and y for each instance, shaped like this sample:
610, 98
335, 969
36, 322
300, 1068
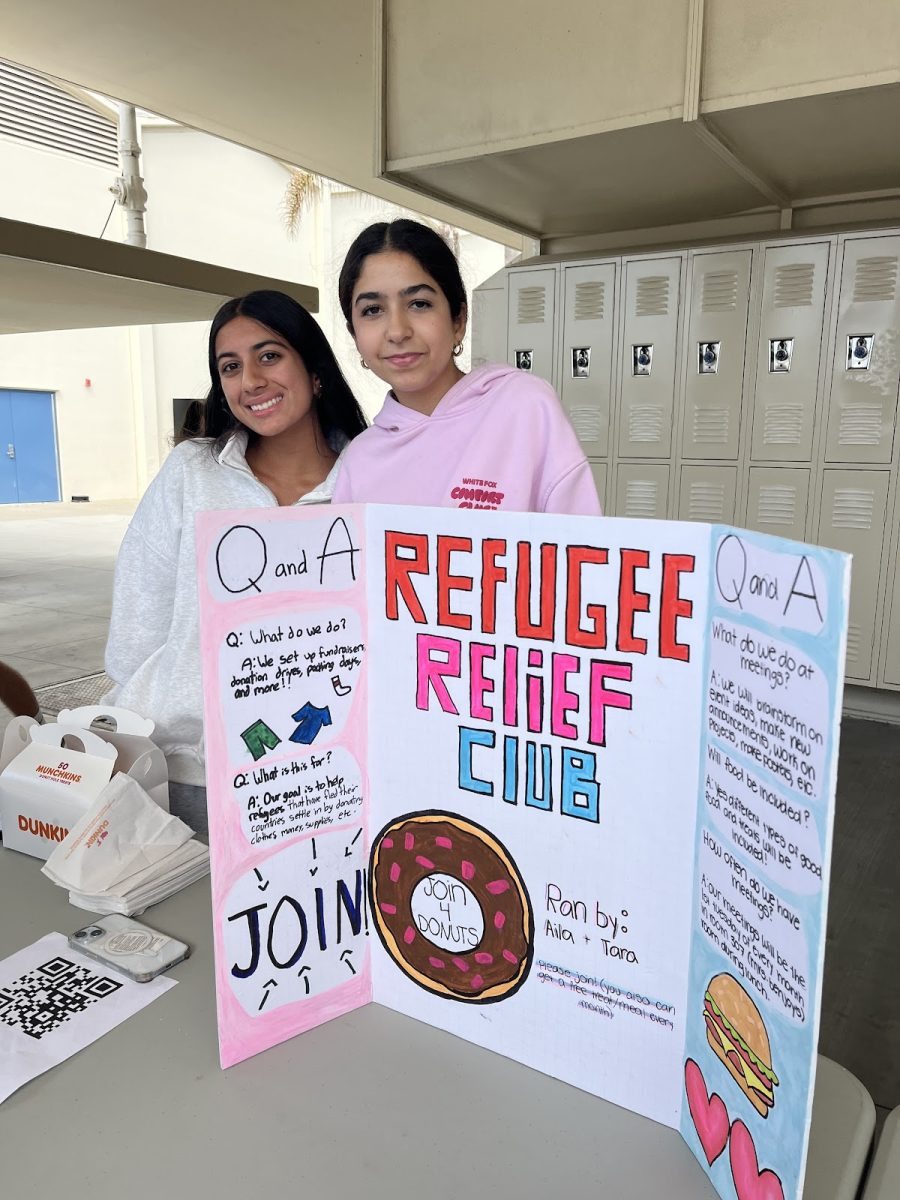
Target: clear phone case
126, 945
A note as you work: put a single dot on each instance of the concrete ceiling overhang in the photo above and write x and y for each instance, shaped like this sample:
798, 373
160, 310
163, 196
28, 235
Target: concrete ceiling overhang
666, 172
53, 279
551, 120
295, 79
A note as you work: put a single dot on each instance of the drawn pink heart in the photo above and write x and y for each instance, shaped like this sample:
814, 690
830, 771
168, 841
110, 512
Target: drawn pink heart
708, 1113
749, 1182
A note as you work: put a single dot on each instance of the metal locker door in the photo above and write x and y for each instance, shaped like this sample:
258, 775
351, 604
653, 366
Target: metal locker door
707, 494
488, 326
714, 354
530, 321
852, 518
642, 490
864, 379
648, 357
790, 342
586, 386
598, 470
892, 632
778, 501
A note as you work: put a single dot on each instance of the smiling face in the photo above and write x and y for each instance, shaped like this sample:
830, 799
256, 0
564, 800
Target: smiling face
404, 330
265, 381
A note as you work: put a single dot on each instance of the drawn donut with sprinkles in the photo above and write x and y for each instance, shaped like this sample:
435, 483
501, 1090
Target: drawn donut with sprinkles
450, 907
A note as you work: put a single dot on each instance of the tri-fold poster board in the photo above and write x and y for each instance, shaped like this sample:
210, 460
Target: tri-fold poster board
562, 786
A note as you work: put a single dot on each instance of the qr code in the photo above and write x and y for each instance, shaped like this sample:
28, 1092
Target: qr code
41, 1000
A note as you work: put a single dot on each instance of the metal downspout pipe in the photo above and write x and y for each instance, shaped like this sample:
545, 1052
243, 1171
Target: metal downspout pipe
128, 188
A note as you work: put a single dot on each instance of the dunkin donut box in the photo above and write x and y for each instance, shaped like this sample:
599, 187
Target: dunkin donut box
50, 775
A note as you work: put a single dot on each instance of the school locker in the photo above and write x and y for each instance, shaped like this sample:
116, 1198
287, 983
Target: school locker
599, 472
790, 343
589, 314
852, 518
865, 370
714, 354
707, 494
531, 321
778, 501
642, 490
648, 357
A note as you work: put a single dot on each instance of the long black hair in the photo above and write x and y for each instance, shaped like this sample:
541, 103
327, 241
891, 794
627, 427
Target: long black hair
428, 248
336, 406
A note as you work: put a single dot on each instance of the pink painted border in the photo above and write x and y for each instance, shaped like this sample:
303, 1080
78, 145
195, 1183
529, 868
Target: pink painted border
231, 856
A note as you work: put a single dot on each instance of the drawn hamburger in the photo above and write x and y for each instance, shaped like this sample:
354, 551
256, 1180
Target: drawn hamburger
735, 1030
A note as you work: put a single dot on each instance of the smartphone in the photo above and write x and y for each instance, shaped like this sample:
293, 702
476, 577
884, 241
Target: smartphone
126, 945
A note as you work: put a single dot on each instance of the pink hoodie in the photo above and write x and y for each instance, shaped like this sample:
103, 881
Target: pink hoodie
498, 439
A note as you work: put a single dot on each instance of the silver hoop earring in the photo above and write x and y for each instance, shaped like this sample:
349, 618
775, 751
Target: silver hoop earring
363, 364
457, 349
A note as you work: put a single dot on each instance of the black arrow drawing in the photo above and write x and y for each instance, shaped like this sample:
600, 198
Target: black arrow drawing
262, 886
312, 870
345, 957
355, 839
270, 983
303, 974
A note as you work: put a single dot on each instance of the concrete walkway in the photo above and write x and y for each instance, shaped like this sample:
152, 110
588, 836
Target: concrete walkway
56, 571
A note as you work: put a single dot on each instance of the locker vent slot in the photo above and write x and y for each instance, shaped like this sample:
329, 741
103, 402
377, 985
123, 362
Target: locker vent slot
860, 425
794, 283
589, 300
783, 425
854, 637
853, 508
532, 305
720, 289
777, 504
645, 423
641, 498
586, 422
711, 426
876, 279
707, 502
652, 296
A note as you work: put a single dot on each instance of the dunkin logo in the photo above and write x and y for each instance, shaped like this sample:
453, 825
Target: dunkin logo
42, 829
99, 834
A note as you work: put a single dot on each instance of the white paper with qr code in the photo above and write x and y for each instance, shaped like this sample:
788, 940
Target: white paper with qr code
54, 1002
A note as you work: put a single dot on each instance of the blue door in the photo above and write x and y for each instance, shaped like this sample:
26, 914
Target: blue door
29, 472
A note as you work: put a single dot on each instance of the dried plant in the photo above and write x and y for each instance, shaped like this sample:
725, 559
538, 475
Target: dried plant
302, 188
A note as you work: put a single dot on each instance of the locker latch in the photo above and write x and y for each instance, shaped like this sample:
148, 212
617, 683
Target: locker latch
781, 351
524, 359
708, 357
581, 362
641, 359
859, 351
10, 451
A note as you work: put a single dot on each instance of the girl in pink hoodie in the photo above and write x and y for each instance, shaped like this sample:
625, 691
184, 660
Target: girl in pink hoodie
496, 438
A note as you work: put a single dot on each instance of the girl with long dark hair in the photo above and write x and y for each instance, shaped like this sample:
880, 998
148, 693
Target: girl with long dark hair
274, 424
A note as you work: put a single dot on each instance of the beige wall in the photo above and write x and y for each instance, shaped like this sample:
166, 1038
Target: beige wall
95, 424
220, 203
47, 187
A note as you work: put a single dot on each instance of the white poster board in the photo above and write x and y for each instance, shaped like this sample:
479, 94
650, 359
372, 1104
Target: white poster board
518, 777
